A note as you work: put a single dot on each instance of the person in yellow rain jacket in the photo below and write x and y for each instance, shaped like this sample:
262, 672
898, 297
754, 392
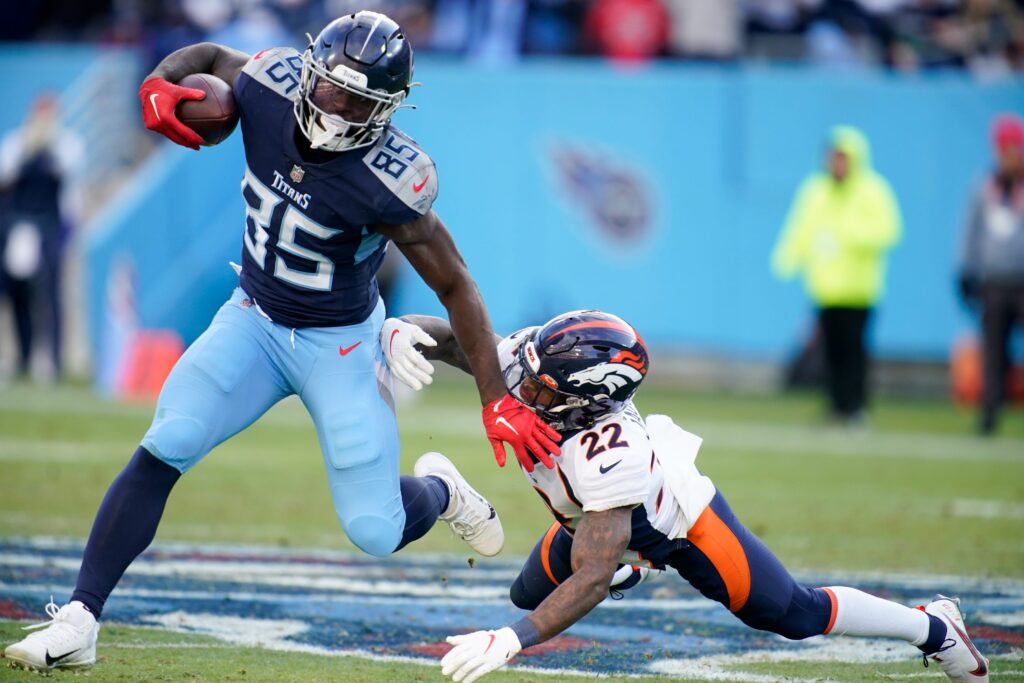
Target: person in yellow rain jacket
840, 228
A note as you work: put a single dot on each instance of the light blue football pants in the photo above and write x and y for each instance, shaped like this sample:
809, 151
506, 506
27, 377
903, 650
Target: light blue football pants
243, 364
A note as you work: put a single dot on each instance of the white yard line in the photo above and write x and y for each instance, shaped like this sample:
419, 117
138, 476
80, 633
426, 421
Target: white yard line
986, 509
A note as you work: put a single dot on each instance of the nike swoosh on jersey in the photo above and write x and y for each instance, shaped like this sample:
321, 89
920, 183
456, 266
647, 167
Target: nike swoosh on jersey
50, 661
505, 422
416, 187
605, 469
343, 351
152, 101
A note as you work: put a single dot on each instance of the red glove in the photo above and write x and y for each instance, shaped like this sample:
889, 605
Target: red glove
159, 100
506, 419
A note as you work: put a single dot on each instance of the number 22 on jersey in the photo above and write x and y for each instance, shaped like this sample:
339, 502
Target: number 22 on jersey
609, 433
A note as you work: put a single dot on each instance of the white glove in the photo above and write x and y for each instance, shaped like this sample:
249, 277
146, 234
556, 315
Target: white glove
397, 338
479, 653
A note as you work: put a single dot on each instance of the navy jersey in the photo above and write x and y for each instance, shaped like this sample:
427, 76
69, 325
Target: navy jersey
310, 253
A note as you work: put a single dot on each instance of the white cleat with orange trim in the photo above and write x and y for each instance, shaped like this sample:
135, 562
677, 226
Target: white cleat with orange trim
958, 657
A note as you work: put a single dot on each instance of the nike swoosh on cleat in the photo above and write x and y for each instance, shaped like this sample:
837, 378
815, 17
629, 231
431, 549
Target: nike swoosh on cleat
605, 470
152, 101
50, 661
982, 666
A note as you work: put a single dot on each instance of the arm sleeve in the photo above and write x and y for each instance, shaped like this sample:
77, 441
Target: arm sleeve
970, 246
623, 485
413, 198
790, 251
882, 225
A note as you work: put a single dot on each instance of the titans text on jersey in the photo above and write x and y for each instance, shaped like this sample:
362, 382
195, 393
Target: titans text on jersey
310, 250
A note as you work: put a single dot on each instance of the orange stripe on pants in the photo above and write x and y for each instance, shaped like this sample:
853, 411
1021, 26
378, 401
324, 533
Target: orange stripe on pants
545, 551
719, 544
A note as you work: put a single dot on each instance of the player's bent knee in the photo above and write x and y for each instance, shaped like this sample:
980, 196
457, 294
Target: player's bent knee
178, 440
806, 615
797, 625
374, 535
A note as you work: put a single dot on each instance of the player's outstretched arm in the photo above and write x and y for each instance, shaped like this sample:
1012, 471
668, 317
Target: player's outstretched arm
429, 247
447, 349
599, 542
159, 95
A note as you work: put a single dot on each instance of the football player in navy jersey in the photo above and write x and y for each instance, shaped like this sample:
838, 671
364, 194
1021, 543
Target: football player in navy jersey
328, 184
626, 490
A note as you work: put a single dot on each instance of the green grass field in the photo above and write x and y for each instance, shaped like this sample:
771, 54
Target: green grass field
914, 492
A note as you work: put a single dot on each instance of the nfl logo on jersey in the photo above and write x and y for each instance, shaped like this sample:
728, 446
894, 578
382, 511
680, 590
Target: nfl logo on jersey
297, 173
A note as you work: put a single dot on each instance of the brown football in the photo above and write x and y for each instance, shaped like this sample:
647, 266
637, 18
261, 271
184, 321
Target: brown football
215, 116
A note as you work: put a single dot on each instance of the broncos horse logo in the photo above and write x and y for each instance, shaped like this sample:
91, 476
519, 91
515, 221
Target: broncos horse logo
612, 376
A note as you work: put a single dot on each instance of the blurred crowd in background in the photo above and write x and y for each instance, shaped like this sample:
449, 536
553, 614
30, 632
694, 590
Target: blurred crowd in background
983, 36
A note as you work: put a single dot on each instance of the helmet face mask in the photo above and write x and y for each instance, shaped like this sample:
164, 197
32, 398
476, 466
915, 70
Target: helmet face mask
355, 75
578, 368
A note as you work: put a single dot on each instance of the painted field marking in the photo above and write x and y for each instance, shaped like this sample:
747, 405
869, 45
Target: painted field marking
396, 609
986, 509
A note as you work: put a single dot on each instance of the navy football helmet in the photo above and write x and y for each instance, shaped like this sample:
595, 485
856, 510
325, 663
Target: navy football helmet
578, 368
355, 74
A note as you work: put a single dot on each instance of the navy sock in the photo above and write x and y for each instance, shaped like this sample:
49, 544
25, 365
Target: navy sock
936, 635
424, 498
124, 526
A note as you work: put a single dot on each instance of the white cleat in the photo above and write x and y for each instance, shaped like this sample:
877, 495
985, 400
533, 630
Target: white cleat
469, 514
67, 641
958, 657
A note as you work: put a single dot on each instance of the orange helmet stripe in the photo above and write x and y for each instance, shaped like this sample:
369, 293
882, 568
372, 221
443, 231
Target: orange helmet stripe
599, 323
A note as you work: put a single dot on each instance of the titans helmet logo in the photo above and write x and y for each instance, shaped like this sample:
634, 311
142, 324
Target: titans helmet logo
611, 376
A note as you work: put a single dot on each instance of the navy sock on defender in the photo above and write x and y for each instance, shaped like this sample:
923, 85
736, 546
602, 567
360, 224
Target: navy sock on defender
936, 635
424, 498
124, 526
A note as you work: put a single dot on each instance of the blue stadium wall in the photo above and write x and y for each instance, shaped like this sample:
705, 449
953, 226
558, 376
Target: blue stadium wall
656, 194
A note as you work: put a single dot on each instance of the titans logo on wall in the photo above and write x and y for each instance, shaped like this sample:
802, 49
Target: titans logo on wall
616, 199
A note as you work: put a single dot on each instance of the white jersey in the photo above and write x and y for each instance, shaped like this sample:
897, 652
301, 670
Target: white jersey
625, 461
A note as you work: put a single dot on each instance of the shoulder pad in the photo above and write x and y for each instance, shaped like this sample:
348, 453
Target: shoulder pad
277, 68
405, 169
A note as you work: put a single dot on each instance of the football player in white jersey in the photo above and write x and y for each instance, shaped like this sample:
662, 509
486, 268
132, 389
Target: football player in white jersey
626, 490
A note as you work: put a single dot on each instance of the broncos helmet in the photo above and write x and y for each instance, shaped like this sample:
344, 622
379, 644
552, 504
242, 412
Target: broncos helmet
355, 74
577, 368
